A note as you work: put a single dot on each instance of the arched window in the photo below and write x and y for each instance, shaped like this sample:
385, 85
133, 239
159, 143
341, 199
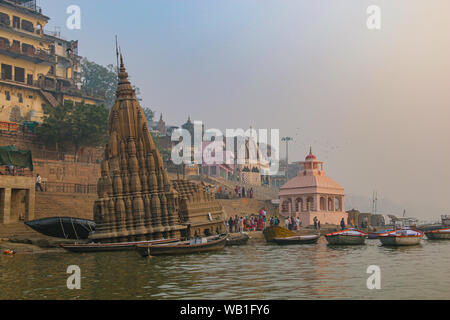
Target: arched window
310, 204
337, 204
285, 206
323, 204
299, 204
330, 204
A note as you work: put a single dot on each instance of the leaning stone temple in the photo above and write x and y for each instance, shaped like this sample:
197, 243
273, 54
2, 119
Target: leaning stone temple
136, 200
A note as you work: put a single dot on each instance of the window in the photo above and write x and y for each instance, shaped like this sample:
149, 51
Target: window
30, 79
16, 22
8, 96
19, 74
27, 26
6, 72
28, 49
213, 171
20, 97
4, 19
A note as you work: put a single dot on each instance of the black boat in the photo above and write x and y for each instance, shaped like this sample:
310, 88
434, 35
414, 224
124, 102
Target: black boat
214, 243
63, 227
297, 240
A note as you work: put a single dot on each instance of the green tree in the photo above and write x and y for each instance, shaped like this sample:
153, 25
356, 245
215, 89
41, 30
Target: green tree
102, 79
74, 125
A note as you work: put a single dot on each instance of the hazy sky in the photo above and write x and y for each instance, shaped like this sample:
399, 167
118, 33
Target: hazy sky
374, 105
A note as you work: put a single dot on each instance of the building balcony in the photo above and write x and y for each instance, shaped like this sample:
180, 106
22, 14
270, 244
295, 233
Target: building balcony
30, 54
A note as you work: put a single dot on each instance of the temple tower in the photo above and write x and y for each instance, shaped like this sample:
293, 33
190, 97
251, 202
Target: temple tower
136, 200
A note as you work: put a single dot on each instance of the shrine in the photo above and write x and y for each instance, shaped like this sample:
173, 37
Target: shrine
312, 194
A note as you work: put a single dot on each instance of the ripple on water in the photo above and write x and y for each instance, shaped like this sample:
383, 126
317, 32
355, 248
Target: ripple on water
256, 271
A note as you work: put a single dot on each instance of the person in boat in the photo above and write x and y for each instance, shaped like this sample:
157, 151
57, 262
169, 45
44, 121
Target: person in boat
276, 221
342, 224
315, 223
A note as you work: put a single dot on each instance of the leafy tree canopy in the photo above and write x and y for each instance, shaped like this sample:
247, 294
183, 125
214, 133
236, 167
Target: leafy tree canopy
74, 125
100, 78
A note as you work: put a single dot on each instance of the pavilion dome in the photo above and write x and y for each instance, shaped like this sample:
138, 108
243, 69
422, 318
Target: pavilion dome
312, 181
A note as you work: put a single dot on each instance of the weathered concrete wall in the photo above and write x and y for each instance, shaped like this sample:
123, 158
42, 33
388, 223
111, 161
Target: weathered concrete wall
64, 205
66, 171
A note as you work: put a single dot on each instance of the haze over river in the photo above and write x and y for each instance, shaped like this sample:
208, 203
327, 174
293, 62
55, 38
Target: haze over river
255, 271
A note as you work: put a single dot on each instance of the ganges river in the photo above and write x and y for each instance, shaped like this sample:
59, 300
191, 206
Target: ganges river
254, 271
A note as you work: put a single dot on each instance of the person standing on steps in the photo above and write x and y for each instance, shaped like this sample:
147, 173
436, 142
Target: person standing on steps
38, 183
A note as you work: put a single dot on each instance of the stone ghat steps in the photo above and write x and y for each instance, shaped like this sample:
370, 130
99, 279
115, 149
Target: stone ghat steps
259, 192
18, 234
64, 205
17, 229
243, 207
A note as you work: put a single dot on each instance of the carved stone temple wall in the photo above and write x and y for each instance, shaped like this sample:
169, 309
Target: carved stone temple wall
136, 200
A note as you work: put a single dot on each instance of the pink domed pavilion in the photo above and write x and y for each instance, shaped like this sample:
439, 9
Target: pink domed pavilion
313, 194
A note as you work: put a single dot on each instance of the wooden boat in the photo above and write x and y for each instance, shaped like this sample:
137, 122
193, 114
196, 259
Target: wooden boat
63, 227
297, 239
237, 239
108, 247
277, 232
401, 237
346, 237
198, 245
440, 234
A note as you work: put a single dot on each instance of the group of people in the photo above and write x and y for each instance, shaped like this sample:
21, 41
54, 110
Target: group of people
292, 223
241, 192
246, 223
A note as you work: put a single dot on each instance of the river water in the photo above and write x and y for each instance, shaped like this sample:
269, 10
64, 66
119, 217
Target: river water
255, 271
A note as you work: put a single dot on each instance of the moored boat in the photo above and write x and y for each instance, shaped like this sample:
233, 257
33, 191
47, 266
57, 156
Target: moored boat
63, 227
401, 237
108, 247
277, 232
307, 239
237, 239
198, 245
440, 234
374, 235
346, 237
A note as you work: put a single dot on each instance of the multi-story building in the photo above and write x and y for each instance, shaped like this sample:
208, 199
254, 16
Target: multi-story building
37, 68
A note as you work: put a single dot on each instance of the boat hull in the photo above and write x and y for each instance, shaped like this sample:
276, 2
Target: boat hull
63, 227
277, 232
400, 240
181, 248
339, 239
237, 239
438, 235
297, 240
111, 247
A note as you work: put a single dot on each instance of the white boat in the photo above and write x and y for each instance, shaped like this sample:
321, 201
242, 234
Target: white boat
439, 234
401, 237
346, 237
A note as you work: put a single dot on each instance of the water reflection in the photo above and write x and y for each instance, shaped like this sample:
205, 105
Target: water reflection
256, 271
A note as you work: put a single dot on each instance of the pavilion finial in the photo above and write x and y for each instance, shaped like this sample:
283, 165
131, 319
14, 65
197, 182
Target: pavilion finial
310, 151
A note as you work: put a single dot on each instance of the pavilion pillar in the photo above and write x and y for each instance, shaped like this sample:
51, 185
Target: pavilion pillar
316, 198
